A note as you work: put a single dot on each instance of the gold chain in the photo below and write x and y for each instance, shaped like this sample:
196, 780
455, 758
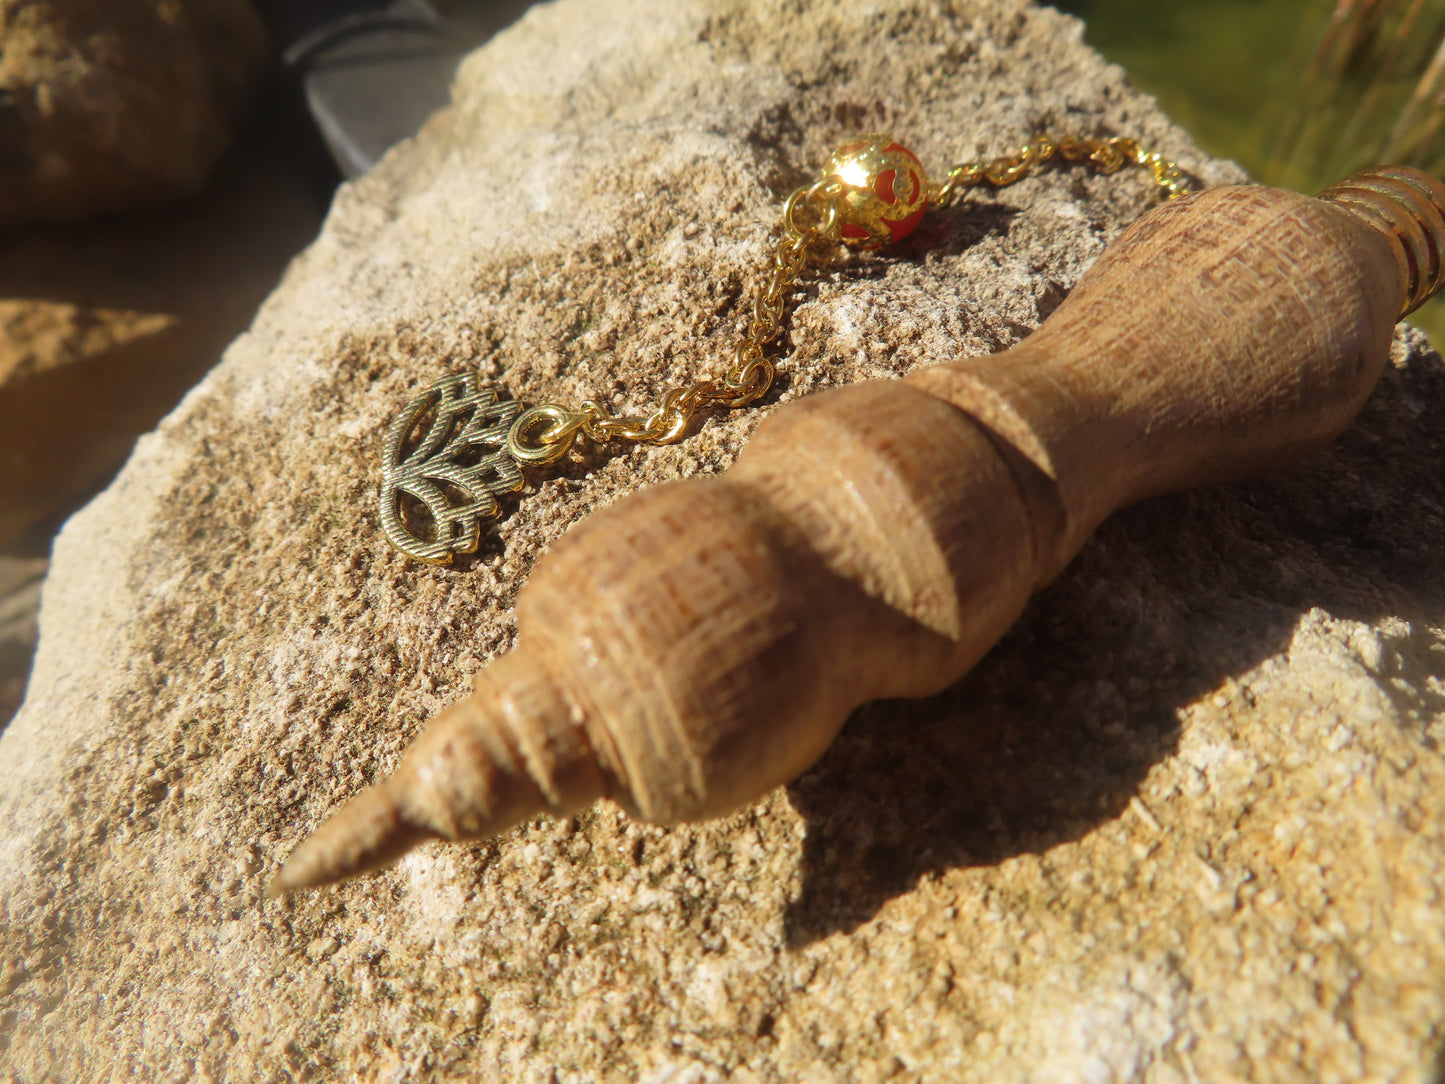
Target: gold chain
1106, 156
543, 434
871, 192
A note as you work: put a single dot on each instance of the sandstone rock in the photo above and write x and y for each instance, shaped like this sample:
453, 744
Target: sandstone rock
1184, 824
108, 105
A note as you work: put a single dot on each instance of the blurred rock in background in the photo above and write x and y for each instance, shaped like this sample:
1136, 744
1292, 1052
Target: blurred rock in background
111, 105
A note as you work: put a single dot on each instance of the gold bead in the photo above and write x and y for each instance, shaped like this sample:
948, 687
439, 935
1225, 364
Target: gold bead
885, 190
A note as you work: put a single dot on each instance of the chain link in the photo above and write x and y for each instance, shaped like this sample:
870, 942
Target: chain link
809, 216
1105, 155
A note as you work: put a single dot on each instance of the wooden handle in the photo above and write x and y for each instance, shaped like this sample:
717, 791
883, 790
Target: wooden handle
697, 644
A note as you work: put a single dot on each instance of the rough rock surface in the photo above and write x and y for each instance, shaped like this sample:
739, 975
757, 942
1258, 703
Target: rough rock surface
1185, 823
107, 105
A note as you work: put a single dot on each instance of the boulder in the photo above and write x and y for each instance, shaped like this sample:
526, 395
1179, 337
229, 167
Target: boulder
1184, 823
109, 105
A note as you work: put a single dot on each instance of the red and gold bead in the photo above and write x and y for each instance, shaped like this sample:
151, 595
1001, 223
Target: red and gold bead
885, 190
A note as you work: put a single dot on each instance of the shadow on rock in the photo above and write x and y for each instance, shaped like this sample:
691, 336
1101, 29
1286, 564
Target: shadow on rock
1053, 733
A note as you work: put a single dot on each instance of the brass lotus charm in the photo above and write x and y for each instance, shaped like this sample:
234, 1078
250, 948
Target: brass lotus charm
454, 471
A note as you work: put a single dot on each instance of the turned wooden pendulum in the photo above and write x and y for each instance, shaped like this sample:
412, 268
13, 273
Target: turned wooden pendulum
697, 644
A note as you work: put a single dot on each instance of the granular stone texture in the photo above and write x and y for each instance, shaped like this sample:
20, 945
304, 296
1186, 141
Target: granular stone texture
1183, 824
109, 105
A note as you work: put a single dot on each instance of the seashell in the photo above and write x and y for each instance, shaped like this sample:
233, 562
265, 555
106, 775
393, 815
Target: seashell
697, 644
